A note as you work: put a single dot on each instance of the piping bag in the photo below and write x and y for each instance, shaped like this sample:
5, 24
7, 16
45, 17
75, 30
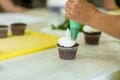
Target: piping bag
75, 29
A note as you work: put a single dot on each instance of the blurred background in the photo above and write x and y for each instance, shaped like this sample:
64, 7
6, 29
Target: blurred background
44, 3
55, 9
31, 3
55, 5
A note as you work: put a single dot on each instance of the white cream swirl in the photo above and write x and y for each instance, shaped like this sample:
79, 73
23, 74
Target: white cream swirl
66, 41
89, 29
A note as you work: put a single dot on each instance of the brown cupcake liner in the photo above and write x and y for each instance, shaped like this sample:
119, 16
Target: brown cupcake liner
18, 28
3, 31
18, 31
67, 53
92, 38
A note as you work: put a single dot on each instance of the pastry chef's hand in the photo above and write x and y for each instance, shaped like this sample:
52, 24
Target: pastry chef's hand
80, 11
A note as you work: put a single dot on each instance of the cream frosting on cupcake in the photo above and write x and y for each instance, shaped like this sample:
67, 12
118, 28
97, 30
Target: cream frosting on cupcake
89, 29
66, 41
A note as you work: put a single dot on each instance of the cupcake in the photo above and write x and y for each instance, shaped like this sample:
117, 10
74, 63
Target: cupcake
91, 35
3, 31
18, 28
67, 48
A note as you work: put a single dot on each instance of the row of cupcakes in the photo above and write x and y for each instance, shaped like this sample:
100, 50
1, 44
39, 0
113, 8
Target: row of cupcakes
16, 29
67, 48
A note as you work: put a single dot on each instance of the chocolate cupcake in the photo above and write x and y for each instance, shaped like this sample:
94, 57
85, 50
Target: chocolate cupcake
91, 35
18, 28
67, 48
67, 53
3, 31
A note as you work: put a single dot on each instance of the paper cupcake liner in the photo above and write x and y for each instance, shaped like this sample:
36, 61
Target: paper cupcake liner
67, 53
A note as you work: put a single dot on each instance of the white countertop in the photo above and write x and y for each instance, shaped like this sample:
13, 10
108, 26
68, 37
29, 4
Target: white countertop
99, 62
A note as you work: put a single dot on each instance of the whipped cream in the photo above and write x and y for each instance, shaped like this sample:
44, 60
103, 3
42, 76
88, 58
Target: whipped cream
66, 41
89, 29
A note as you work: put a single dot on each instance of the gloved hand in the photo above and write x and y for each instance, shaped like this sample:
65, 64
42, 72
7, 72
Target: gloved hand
80, 11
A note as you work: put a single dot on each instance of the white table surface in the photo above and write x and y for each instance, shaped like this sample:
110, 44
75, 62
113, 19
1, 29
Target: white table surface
98, 62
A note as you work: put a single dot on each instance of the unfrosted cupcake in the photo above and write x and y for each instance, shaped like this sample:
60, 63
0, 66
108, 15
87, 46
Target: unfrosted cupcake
18, 28
3, 31
67, 48
91, 35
